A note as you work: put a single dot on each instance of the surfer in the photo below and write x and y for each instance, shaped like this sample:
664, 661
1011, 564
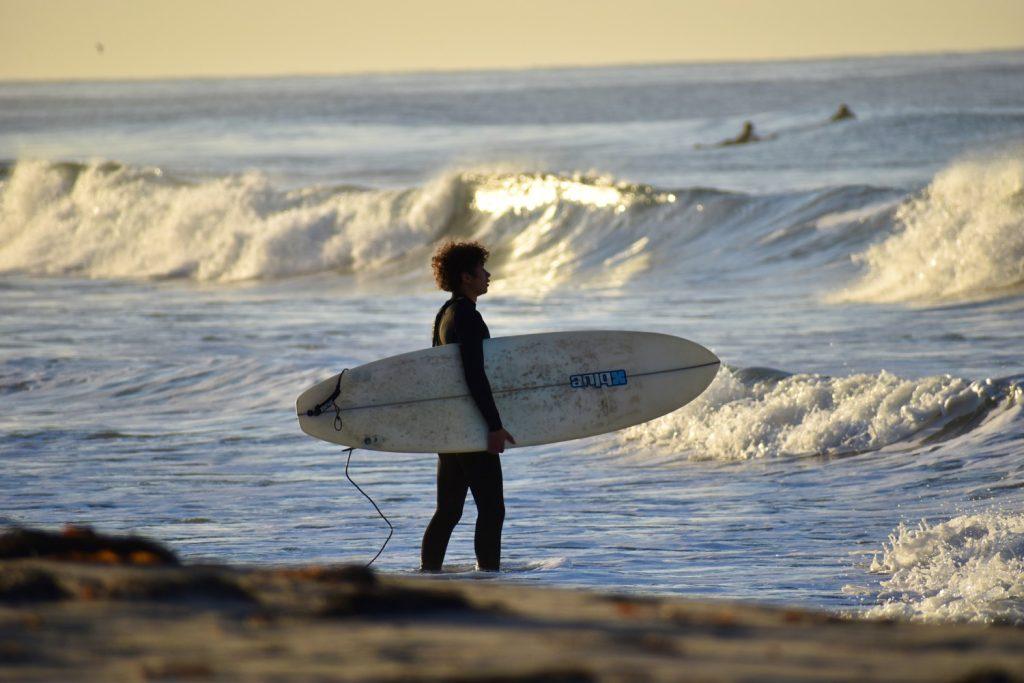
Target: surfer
842, 114
459, 269
746, 135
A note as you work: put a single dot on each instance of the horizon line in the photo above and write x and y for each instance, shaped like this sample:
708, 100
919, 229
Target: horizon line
505, 69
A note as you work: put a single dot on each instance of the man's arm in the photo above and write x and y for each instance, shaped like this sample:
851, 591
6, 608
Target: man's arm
469, 331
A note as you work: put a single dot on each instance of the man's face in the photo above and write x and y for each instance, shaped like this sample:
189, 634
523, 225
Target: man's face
474, 283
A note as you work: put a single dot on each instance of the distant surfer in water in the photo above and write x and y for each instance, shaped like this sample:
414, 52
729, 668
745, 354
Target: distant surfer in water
459, 269
746, 136
842, 114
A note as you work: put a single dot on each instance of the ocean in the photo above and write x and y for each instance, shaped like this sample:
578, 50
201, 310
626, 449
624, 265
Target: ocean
180, 259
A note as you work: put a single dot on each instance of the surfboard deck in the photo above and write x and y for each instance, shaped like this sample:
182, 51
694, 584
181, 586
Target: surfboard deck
548, 387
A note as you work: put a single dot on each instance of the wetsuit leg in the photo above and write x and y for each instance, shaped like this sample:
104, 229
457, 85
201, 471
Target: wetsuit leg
451, 496
483, 473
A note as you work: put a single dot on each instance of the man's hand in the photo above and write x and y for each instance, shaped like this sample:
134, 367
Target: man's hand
496, 441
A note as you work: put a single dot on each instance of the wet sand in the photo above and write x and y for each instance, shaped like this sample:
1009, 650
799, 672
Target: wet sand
97, 614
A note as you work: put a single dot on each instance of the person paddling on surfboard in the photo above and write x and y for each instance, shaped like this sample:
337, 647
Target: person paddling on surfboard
459, 269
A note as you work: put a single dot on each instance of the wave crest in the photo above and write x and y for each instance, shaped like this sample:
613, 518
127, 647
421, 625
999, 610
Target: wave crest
962, 238
107, 220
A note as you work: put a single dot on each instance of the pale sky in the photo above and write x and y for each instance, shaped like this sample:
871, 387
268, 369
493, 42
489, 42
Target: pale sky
75, 39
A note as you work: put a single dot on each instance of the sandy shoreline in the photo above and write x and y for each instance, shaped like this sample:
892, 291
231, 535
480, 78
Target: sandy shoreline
120, 614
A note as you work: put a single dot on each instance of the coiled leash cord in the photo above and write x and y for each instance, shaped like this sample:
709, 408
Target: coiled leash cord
331, 401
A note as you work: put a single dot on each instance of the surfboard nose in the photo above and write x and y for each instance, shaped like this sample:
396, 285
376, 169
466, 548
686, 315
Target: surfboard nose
683, 351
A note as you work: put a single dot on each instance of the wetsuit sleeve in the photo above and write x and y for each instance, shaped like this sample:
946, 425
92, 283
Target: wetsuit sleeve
469, 328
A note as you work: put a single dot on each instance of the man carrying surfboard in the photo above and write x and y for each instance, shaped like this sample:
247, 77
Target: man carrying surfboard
459, 268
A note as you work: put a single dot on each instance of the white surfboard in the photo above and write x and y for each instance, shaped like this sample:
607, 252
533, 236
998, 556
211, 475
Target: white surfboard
548, 387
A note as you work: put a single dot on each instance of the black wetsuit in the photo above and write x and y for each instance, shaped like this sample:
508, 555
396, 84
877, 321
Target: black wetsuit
480, 472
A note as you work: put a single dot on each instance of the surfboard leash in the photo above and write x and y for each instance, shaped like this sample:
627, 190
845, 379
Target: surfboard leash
332, 402
391, 529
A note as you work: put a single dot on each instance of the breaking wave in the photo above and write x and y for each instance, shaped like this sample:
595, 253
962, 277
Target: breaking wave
108, 220
763, 413
969, 568
962, 238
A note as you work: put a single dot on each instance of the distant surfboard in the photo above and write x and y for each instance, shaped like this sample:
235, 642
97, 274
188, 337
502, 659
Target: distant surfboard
548, 388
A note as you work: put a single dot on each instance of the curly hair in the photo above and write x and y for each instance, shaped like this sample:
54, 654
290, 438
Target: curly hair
452, 259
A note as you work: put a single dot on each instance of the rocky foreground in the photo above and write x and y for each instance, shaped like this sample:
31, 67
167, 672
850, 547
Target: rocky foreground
78, 606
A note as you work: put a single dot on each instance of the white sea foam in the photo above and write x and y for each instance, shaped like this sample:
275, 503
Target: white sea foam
969, 568
106, 220
526, 192
741, 416
963, 237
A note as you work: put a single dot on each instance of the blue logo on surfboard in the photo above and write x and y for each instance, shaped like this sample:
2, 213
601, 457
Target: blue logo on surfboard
596, 380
